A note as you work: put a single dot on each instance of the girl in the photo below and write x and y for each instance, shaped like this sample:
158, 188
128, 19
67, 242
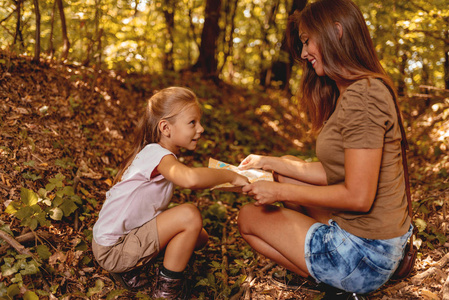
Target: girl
134, 224
345, 220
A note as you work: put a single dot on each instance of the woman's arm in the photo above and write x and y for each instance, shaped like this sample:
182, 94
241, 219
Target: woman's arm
357, 193
197, 178
288, 166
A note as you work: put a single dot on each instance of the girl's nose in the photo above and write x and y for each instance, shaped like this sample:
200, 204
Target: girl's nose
200, 128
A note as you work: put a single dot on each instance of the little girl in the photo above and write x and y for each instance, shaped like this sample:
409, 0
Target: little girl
134, 224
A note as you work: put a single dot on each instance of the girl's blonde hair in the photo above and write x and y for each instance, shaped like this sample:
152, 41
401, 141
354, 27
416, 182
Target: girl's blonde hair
164, 105
353, 52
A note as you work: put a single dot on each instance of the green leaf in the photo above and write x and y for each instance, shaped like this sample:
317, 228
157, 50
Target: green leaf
69, 191
24, 213
41, 217
28, 197
8, 270
99, 284
32, 223
57, 180
29, 295
30, 269
13, 290
81, 246
42, 193
57, 201
115, 293
50, 187
43, 252
68, 207
13, 207
420, 224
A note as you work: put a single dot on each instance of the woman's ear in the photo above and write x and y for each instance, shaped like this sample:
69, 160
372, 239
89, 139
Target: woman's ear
339, 29
164, 128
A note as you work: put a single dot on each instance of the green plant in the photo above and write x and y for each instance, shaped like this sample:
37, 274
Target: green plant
55, 201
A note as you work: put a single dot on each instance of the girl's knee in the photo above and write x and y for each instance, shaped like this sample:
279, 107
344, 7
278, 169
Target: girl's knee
191, 215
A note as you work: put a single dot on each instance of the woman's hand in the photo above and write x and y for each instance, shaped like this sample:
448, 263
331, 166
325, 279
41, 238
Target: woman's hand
252, 161
264, 192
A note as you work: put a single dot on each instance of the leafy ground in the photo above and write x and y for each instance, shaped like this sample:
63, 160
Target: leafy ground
64, 130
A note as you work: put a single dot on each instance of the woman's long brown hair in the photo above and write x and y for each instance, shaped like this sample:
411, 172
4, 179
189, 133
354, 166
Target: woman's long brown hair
164, 105
353, 51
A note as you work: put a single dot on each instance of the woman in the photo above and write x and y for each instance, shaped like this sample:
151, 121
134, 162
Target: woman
344, 220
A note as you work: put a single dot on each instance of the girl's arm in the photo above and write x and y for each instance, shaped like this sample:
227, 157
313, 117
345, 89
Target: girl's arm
197, 178
288, 166
357, 193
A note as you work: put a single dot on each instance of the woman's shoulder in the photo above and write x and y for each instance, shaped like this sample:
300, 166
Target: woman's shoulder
371, 87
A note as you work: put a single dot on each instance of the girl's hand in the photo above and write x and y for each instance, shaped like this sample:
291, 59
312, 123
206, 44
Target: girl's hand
264, 192
252, 161
240, 180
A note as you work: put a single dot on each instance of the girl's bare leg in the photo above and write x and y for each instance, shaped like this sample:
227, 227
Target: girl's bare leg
180, 231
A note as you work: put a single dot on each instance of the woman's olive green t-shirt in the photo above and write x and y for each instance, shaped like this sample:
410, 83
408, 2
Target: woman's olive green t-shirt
365, 118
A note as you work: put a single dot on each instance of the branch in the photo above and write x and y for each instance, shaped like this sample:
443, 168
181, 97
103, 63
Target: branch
24, 238
16, 245
417, 279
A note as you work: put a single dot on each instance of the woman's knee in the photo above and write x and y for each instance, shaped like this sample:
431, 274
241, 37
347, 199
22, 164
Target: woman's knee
245, 214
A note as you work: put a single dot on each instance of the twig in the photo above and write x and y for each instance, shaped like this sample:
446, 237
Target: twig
245, 285
417, 279
268, 267
445, 290
24, 238
224, 256
16, 245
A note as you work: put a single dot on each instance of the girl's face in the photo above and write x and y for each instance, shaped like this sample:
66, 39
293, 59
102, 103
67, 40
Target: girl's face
186, 129
311, 52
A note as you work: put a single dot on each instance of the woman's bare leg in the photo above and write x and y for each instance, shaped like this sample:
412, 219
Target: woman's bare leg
180, 231
277, 233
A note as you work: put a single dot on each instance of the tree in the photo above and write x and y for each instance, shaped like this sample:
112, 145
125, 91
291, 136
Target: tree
169, 14
65, 38
37, 46
18, 33
207, 60
281, 69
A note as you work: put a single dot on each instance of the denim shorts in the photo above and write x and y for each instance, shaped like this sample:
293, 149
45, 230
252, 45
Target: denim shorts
350, 263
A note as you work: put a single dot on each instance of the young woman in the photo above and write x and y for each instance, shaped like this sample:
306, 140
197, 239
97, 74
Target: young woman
134, 224
345, 220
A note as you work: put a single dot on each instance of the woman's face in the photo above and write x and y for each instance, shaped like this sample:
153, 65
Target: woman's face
311, 53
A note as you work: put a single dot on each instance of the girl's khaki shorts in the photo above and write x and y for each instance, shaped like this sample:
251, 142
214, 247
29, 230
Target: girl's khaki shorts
139, 246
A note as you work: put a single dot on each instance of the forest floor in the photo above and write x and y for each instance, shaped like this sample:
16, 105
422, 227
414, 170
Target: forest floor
76, 122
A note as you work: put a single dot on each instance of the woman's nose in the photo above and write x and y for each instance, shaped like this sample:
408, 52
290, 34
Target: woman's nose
304, 52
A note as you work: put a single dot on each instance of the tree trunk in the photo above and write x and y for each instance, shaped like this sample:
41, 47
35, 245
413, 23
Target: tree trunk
207, 61
37, 46
169, 13
281, 70
18, 33
446, 60
51, 49
66, 45
230, 12
401, 80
